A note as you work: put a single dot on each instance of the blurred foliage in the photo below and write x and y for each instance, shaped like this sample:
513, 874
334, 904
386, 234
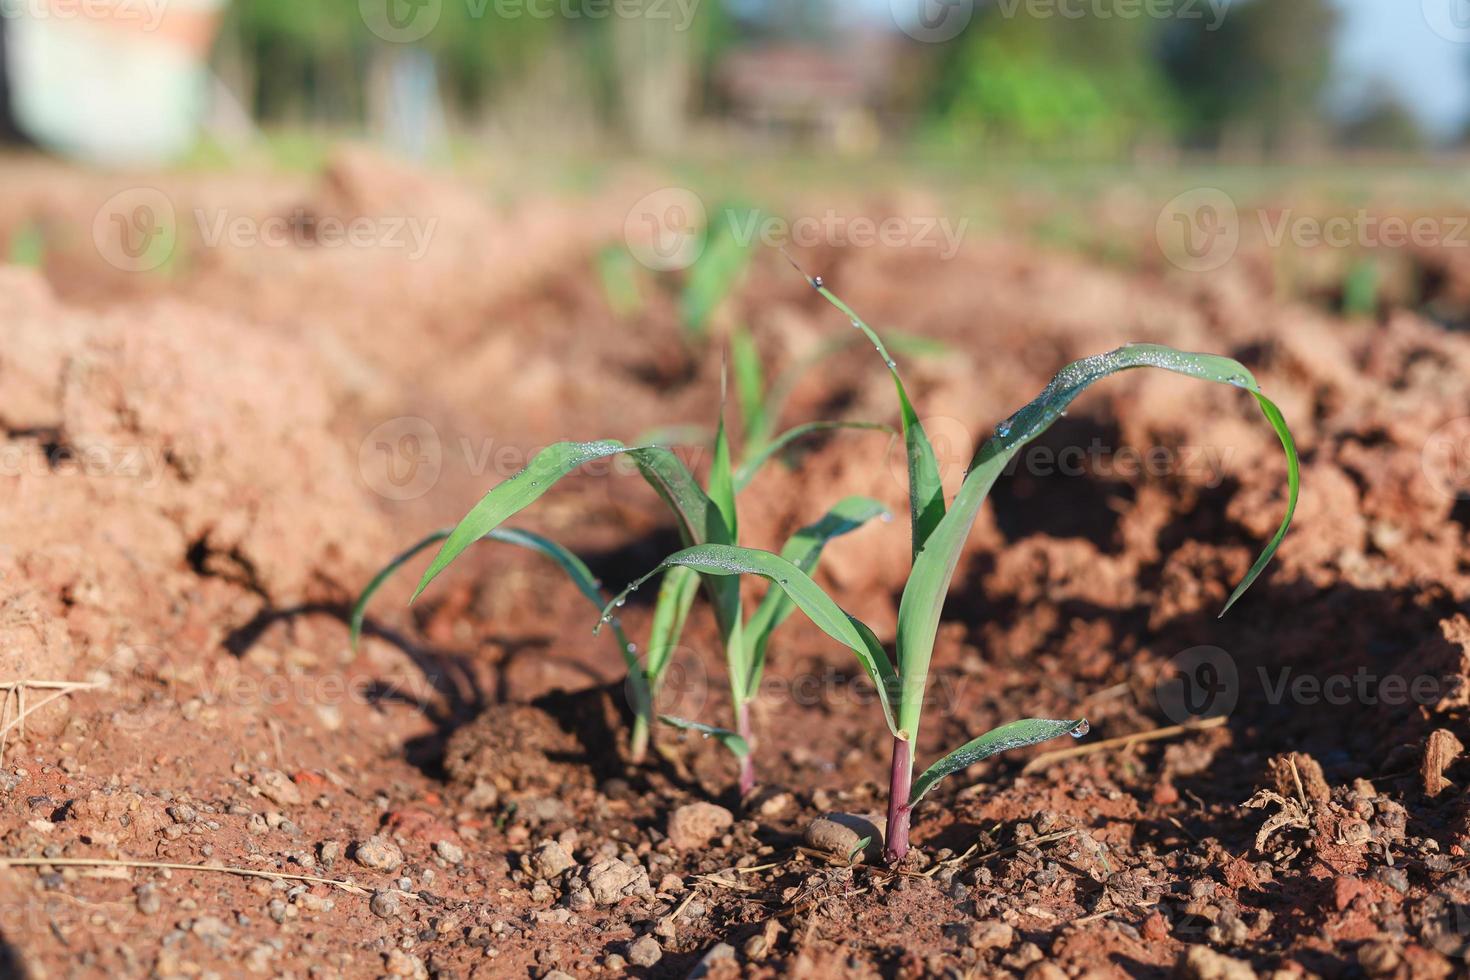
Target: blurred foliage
1382, 122
308, 60
1022, 76
1030, 81
1261, 74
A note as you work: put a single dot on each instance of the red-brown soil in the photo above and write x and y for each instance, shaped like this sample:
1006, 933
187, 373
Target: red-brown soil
194, 490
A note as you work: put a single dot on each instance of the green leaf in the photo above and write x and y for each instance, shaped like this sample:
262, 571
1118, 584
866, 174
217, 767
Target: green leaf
739, 746
753, 465
803, 549
722, 487
715, 276
928, 584
1016, 735
575, 568
857, 851
670, 612
1294, 486
851, 632
618, 272
659, 466
28, 246
926, 492
750, 388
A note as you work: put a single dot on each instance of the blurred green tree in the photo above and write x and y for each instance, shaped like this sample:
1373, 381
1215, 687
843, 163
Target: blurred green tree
1024, 77
1258, 76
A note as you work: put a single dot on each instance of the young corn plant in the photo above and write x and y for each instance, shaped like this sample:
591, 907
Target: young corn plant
703, 516
745, 641
939, 532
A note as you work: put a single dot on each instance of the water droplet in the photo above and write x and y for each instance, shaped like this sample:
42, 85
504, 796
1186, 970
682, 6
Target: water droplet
622, 601
1082, 729
1003, 429
892, 365
633, 648
606, 618
817, 282
886, 517
856, 325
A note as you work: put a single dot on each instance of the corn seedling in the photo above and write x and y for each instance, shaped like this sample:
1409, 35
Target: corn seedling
716, 274
938, 536
703, 516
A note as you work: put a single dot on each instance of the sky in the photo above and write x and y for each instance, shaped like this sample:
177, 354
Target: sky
1418, 48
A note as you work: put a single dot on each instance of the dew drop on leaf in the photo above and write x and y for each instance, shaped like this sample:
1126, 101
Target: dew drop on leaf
1082, 729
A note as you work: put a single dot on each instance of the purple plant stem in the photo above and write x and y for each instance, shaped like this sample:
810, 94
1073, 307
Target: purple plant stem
899, 811
747, 764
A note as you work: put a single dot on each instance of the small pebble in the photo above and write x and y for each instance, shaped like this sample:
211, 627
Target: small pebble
645, 951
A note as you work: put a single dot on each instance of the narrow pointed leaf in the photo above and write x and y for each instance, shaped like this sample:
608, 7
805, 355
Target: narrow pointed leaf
753, 464
576, 570
926, 492
851, 632
803, 549
923, 596
718, 272
659, 466
1294, 485
1016, 735
722, 488
750, 388
739, 746
670, 612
